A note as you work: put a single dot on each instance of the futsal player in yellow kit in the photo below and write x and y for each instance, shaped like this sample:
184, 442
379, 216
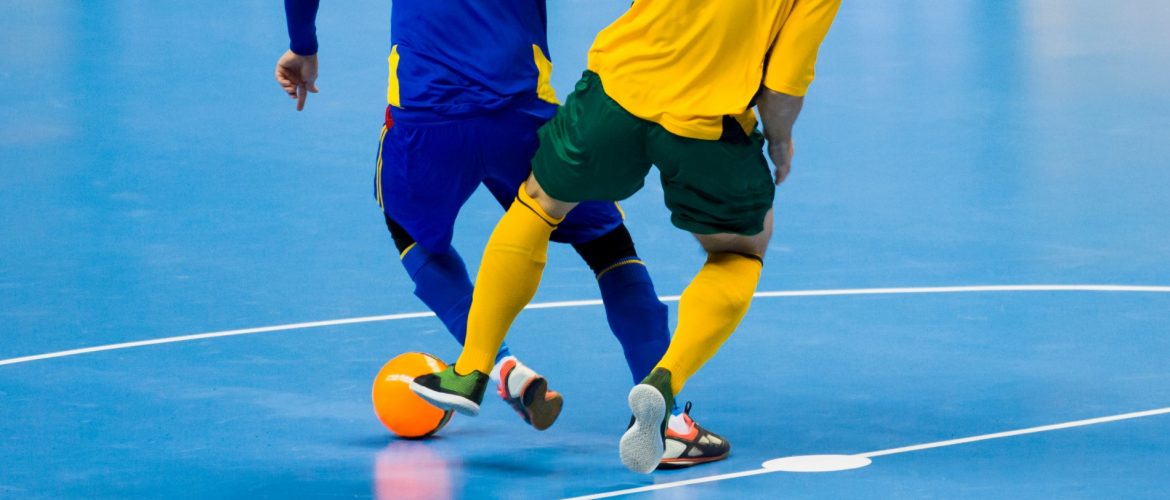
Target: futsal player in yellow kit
671, 83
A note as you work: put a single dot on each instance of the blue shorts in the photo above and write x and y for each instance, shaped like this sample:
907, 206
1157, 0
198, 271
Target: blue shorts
427, 171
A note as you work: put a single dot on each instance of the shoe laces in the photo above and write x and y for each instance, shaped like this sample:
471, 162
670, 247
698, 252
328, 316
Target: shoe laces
686, 415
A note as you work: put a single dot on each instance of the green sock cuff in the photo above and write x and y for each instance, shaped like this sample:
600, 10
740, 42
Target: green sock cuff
659, 378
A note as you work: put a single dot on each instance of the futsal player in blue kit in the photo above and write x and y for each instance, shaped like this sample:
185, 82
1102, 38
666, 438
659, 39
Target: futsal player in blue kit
468, 89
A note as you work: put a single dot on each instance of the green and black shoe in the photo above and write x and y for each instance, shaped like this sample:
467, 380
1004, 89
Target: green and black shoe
643, 443
448, 390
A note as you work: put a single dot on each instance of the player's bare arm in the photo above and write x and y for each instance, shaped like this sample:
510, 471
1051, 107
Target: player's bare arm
778, 111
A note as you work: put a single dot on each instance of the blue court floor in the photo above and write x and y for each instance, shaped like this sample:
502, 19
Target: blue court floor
974, 243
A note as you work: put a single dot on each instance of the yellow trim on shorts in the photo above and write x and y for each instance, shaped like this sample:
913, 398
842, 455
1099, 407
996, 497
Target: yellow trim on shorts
378, 171
407, 250
620, 211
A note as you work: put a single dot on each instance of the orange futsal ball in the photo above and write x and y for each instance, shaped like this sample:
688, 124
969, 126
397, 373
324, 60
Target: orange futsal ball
399, 409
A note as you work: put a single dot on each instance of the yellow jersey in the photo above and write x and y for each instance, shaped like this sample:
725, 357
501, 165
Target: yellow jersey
685, 64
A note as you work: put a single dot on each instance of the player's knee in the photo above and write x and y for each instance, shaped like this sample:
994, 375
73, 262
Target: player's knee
550, 205
733, 243
755, 244
609, 248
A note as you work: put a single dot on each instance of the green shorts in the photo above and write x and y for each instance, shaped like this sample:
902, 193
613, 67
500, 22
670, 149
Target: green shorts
595, 150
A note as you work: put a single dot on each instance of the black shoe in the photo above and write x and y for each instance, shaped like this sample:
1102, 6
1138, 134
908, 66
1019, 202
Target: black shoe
695, 446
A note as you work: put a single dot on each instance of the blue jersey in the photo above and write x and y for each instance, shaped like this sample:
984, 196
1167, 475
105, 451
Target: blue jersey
456, 58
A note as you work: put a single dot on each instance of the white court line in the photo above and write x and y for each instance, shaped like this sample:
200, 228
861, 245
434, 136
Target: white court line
891, 451
1020, 432
582, 303
226, 333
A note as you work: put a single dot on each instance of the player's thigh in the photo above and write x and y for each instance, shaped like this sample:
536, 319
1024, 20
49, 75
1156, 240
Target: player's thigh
513, 142
592, 149
510, 141
587, 222
424, 176
714, 186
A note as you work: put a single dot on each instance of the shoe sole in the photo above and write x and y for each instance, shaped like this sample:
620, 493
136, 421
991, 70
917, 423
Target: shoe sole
642, 445
682, 463
445, 401
541, 410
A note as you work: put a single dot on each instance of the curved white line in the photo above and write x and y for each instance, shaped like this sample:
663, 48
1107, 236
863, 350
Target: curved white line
583, 303
892, 451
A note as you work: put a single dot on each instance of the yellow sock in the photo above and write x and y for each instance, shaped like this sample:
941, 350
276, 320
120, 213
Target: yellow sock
709, 310
508, 277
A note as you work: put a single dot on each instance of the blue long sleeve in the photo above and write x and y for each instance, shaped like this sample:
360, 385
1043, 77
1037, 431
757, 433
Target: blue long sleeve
301, 16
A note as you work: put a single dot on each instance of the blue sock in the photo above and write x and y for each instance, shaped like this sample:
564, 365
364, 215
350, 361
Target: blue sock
442, 282
636, 316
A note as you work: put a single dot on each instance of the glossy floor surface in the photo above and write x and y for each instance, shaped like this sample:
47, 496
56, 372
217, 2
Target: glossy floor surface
156, 183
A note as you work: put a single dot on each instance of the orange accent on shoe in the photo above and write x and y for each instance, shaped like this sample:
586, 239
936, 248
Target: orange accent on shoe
540, 415
502, 387
692, 431
709, 446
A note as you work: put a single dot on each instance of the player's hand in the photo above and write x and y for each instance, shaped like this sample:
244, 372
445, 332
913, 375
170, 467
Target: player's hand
781, 152
297, 75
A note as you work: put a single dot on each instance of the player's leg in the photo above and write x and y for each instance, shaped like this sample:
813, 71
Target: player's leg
635, 315
508, 277
729, 210
424, 176
573, 152
716, 300
598, 234
639, 321
637, 318
508, 138
591, 150
440, 280
710, 309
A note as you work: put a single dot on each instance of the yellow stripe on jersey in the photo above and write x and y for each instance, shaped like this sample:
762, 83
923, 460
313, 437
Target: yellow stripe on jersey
392, 93
685, 64
544, 88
